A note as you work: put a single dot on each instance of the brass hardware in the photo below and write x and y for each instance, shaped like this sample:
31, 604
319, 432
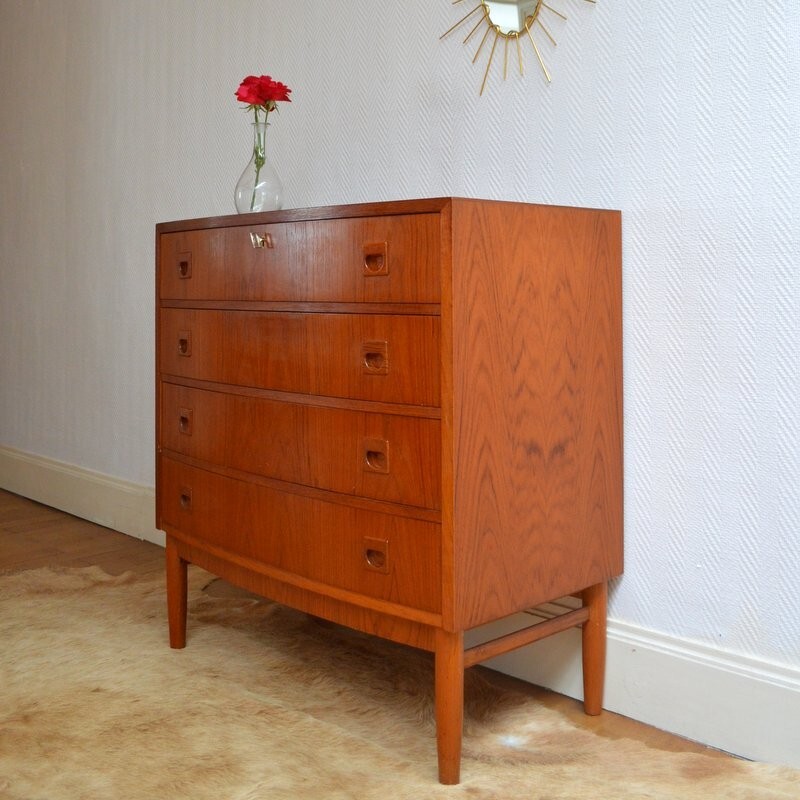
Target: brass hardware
259, 240
525, 16
375, 358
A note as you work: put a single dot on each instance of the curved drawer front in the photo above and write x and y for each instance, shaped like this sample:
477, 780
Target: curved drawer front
383, 456
372, 259
390, 558
361, 356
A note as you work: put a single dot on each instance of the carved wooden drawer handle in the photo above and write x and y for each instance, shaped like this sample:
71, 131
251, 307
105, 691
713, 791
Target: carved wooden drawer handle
376, 554
375, 358
375, 455
185, 421
186, 498
184, 265
376, 259
185, 343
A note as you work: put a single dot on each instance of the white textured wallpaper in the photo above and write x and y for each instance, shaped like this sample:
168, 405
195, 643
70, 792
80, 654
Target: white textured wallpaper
116, 115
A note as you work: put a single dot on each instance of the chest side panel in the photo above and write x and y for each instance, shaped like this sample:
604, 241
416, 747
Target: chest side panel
537, 405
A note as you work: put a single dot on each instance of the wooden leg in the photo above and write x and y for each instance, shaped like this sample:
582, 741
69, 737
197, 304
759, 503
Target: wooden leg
449, 688
176, 595
594, 648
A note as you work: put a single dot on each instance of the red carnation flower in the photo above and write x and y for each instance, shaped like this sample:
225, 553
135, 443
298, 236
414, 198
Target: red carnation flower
261, 93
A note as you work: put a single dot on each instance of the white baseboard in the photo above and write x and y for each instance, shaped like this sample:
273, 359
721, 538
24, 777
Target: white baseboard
121, 505
727, 701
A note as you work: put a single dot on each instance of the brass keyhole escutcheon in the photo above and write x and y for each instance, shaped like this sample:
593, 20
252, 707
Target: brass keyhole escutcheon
262, 240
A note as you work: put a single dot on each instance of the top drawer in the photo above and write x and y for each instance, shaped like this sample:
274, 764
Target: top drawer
392, 259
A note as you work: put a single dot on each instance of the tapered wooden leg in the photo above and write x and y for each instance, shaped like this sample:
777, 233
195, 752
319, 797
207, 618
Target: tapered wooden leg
594, 648
176, 595
449, 688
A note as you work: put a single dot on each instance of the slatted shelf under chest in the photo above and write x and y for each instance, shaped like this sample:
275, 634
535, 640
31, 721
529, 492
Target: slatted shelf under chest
403, 417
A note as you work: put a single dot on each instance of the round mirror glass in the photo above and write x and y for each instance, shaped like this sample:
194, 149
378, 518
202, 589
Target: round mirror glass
512, 17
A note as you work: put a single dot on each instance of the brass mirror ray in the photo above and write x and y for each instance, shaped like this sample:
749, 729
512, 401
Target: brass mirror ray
511, 21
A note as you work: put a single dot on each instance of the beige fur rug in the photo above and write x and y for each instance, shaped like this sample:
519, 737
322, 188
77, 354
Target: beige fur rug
267, 703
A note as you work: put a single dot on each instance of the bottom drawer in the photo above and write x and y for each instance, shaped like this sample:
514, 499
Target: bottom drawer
386, 557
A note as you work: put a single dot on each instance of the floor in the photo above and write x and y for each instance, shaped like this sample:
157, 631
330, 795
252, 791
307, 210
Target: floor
33, 535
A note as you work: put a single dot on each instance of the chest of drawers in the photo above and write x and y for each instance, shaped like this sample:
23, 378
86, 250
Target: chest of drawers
403, 417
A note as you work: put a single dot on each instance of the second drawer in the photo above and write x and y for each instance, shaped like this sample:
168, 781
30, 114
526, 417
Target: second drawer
380, 357
382, 456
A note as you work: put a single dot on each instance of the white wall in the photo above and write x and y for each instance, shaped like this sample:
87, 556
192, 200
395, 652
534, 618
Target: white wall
116, 115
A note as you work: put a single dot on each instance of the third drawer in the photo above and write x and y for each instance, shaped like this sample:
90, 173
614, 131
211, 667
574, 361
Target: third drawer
382, 456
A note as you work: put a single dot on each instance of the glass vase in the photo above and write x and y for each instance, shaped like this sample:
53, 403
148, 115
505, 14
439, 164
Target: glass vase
259, 188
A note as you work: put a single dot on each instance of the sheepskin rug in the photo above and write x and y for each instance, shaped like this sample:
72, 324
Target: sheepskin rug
267, 703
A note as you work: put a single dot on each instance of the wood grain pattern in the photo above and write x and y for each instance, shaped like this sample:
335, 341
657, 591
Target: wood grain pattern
405, 417
324, 542
328, 448
321, 354
351, 211
537, 405
378, 619
404, 309
311, 492
320, 401
595, 599
449, 682
177, 577
322, 261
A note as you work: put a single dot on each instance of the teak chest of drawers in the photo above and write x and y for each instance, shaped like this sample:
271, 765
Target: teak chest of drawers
404, 417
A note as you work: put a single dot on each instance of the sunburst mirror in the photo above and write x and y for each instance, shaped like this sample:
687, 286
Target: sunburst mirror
509, 22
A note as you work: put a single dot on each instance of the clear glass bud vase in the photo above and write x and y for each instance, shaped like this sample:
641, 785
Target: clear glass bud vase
259, 188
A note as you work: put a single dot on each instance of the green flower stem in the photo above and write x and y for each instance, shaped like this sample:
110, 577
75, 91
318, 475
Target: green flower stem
259, 153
